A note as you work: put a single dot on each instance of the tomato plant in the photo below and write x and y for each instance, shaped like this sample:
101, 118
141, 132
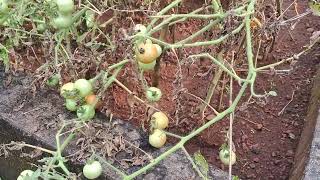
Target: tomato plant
84, 87
69, 40
224, 156
85, 112
92, 170
25, 174
153, 94
157, 139
159, 120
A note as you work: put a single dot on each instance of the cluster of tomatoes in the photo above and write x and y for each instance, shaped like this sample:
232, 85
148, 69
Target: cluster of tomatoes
91, 170
80, 98
146, 51
159, 121
65, 10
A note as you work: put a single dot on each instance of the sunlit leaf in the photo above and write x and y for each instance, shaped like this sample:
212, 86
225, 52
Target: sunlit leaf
201, 162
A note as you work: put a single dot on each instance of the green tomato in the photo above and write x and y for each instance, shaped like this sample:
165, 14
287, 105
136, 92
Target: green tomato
71, 104
139, 28
153, 94
86, 112
147, 67
92, 170
89, 18
159, 120
41, 27
24, 174
157, 139
84, 87
224, 156
62, 22
53, 80
65, 7
4, 8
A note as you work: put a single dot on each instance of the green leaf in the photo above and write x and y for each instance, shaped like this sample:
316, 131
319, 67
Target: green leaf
315, 7
201, 162
235, 178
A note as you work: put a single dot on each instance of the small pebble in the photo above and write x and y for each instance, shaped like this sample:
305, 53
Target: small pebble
259, 127
255, 160
311, 30
252, 166
289, 153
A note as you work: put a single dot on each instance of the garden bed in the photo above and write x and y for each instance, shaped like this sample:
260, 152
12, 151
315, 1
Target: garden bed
32, 123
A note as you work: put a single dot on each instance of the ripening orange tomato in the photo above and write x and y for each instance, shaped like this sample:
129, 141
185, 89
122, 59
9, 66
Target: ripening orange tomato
91, 100
147, 53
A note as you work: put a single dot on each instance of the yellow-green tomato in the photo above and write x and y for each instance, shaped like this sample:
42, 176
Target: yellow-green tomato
25, 174
65, 7
92, 170
224, 156
146, 53
86, 112
147, 67
157, 139
84, 87
139, 28
153, 94
62, 22
71, 104
53, 80
159, 120
68, 90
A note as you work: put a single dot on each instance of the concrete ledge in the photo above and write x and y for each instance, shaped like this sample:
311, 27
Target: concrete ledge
312, 170
307, 158
34, 119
